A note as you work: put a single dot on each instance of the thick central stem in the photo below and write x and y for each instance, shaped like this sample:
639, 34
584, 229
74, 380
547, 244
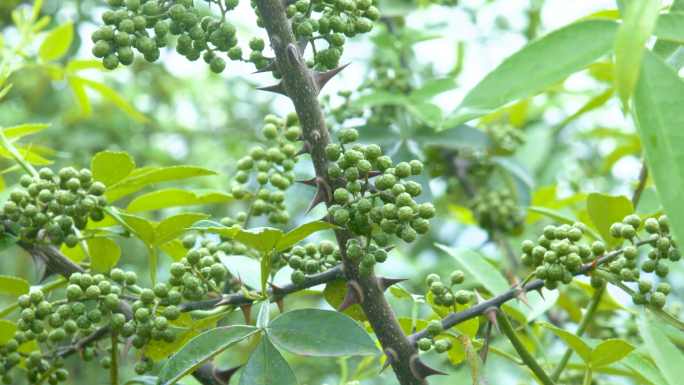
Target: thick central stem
303, 91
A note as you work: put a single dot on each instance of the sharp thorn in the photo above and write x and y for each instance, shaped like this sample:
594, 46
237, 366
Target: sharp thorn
272, 66
306, 149
80, 354
127, 347
281, 304
541, 294
390, 358
309, 182
389, 248
322, 78
300, 137
384, 282
513, 281
247, 312
479, 298
485, 346
276, 289
318, 198
522, 295
277, 88
39, 262
420, 370
354, 296
293, 55
490, 313
222, 302
224, 375
594, 263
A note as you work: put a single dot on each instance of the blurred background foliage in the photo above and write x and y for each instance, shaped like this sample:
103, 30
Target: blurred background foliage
548, 151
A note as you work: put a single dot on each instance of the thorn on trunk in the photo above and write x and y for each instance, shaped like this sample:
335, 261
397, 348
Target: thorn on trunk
490, 312
40, 262
300, 138
315, 135
420, 370
541, 294
293, 56
389, 248
319, 197
276, 289
277, 88
224, 375
281, 304
520, 292
322, 78
272, 66
384, 282
306, 149
354, 296
513, 281
391, 357
127, 347
247, 312
309, 182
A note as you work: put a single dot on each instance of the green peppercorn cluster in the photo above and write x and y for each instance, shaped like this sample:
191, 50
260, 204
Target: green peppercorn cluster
130, 25
310, 259
388, 202
49, 210
441, 345
496, 211
476, 161
272, 166
337, 20
506, 137
443, 295
664, 248
558, 254
201, 270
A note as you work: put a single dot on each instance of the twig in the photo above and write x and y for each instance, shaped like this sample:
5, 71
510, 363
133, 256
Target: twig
643, 175
525, 355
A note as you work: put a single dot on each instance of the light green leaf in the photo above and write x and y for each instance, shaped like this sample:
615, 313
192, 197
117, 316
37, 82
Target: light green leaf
175, 249
110, 167
432, 88
667, 357
300, 233
663, 47
593, 103
104, 254
14, 285
307, 332
78, 65
264, 314
633, 33
76, 254
428, 113
248, 269
610, 351
113, 97
138, 226
159, 175
80, 94
261, 239
267, 367
57, 42
538, 65
575, 343
175, 226
23, 130
172, 198
334, 294
604, 210
644, 369
216, 228
658, 101
200, 349
478, 268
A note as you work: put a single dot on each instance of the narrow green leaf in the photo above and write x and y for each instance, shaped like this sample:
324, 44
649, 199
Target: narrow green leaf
300, 233
159, 175
14, 285
610, 351
478, 268
307, 332
575, 343
57, 42
172, 198
216, 228
644, 369
658, 102
667, 357
23, 130
635, 30
267, 367
110, 167
104, 254
432, 88
200, 349
248, 269
604, 210
261, 239
78, 65
538, 65
80, 94
175, 226
115, 98
663, 47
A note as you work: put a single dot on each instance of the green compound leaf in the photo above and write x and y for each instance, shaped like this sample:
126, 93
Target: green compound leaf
575, 343
104, 254
300, 233
479, 268
57, 42
635, 30
14, 285
172, 198
110, 167
267, 367
200, 349
315, 332
261, 239
667, 357
175, 226
538, 65
604, 210
658, 99
610, 351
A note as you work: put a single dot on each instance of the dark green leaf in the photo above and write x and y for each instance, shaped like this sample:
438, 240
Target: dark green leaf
7, 241
200, 349
300, 233
315, 332
538, 65
267, 367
